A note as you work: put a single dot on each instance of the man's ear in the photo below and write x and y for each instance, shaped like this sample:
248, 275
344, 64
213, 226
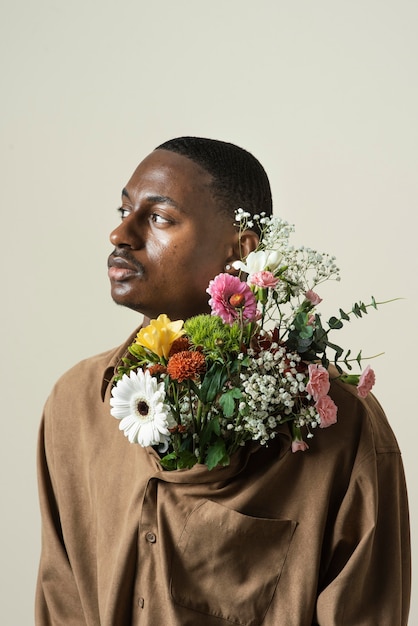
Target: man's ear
245, 242
248, 242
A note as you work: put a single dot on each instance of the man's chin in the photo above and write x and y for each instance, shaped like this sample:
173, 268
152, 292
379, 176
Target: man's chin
126, 302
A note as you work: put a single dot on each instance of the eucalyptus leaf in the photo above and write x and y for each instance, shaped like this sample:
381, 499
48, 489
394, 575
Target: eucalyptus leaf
337, 349
335, 323
357, 310
303, 344
306, 332
344, 315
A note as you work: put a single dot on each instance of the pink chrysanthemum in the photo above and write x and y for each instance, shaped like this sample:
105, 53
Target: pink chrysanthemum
263, 279
327, 411
298, 445
318, 385
366, 382
230, 298
313, 297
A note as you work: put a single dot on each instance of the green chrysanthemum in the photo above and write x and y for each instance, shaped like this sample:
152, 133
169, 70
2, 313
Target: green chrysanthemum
215, 337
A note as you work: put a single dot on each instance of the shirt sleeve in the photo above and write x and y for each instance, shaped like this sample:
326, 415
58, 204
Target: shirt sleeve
366, 580
57, 599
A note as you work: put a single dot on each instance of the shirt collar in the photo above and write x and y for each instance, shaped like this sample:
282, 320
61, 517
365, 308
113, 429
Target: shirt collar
115, 360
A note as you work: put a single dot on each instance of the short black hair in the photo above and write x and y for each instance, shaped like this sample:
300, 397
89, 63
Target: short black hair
239, 179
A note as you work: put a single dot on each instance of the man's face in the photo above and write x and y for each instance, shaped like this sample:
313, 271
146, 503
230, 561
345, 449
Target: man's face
172, 239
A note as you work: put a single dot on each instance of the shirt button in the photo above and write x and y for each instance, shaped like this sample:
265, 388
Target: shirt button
140, 603
151, 537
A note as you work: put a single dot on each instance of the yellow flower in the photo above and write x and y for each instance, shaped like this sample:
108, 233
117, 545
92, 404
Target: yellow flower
160, 334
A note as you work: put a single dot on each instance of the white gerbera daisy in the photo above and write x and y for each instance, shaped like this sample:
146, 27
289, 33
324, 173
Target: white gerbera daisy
138, 401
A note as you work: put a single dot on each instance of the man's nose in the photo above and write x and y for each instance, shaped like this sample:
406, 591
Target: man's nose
127, 234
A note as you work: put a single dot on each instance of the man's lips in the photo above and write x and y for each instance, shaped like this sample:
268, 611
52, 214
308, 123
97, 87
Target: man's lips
122, 269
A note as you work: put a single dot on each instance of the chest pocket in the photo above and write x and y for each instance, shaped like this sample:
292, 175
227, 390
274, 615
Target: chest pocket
228, 565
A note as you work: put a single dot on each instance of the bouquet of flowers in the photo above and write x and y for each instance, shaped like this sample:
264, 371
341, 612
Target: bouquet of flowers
200, 389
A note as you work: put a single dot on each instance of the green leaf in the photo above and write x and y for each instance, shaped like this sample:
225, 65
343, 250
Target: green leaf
169, 461
344, 315
311, 355
213, 382
187, 443
212, 427
303, 344
245, 361
357, 309
138, 351
186, 460
350, 379
335, 323
237, 364
300, 320
306, 332
337, 349
346, 362
217, 455
320, 335
298, 343
227, 401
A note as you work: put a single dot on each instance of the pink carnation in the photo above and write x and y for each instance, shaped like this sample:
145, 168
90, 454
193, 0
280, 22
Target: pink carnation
366, 382
225, 290
263, 279
327, 410
298, 445
313, 297
318, 384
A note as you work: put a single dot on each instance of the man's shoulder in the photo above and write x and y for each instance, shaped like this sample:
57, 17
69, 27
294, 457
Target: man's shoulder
91, 373
365, 415
90, 364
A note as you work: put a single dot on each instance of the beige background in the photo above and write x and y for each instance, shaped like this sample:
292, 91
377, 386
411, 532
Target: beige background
324, 93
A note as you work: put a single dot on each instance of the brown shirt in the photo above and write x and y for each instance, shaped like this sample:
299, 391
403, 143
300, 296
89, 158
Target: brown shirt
277, 538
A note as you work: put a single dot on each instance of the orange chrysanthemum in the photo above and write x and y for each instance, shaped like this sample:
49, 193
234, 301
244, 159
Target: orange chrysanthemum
156, 369
186, 365
179, 345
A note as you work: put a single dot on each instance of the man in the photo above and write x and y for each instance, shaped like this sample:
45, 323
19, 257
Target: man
274, 538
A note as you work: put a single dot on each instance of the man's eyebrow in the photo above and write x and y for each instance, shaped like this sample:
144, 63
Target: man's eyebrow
163, 200
156, 199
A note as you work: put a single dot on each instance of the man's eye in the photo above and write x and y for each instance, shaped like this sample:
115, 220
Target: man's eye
123, 212
159, 219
